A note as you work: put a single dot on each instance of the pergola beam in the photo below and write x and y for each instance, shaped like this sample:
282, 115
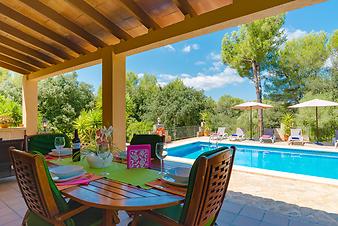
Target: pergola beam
17, 63
240, 12
68, 66
100, 19
24, 58
41, 29
13, 68
27, 50
185, 7
56, 17
139, 13
33, 41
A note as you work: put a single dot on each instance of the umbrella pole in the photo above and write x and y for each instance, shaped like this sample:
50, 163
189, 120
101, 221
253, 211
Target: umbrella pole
317, 129
250, 123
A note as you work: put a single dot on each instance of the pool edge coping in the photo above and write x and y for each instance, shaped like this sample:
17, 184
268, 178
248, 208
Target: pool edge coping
265, 172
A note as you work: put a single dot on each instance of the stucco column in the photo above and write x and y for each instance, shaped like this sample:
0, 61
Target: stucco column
114, 95
30, 105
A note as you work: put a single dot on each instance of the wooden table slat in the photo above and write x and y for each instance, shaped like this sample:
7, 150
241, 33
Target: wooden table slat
130, 188
115, 190
104, 192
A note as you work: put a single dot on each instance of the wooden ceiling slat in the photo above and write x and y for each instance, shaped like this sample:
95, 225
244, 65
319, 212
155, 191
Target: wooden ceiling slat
185, 7
34, 41
27, 50
18, 17
13, 68
56, 17
139, 13
17, 63
19, 56
100, 19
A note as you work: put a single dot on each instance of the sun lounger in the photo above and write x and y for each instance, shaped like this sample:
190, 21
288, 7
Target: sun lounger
296, 137
268, 135
239, 135
219, 135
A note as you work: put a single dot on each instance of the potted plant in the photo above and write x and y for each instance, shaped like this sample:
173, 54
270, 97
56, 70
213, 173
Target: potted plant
5, 121
287, 124
205, 116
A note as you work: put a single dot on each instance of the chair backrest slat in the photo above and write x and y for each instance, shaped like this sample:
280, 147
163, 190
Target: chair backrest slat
33, 183
268, 131
296, 132
212, 179
221, 130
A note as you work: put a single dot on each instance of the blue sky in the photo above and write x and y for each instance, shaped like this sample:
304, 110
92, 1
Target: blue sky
197, 61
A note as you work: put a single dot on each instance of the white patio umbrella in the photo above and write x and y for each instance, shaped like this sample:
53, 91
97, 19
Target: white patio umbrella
251, 106
315, 103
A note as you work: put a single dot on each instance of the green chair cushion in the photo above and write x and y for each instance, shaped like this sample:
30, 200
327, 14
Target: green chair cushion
43, 143
151, 139
90, 217
173, 212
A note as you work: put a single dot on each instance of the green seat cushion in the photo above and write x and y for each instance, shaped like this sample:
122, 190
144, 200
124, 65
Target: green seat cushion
44, 143
90, 217
173, 212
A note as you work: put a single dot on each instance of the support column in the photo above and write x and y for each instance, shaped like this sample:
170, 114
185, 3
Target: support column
30, 105
114, 95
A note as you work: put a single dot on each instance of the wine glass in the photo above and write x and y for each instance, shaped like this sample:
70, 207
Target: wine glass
59, 143
161, 152
103, 152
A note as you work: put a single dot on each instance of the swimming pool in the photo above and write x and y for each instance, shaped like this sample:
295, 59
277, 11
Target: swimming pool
307, 162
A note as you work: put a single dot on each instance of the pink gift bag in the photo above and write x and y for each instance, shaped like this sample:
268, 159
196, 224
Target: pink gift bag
138, 156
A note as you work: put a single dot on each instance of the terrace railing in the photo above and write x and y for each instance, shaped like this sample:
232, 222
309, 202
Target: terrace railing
183, 132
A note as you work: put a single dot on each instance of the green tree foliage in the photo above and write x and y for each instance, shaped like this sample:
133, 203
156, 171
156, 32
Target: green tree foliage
224, 116
253, 49
12, 109
300, 59
62, 98
10, 85
177, 105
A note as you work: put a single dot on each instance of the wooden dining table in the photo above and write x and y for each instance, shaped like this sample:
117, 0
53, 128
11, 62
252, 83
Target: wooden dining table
112, 196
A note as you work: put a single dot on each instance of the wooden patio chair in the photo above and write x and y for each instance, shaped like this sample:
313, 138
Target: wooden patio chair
43, 143
46, 206
208, 183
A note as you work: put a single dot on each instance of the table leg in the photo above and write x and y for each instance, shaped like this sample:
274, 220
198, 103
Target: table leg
110, 218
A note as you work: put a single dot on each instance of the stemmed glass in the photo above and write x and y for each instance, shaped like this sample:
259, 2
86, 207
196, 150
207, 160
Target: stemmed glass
103, 152
59, 143
161, 153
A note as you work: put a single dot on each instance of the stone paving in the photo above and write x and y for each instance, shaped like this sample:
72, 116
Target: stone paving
239, 209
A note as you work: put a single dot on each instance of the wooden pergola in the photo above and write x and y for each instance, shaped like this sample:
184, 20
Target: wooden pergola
43, 38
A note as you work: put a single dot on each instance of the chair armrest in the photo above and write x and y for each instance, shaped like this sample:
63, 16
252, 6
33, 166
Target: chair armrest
64, 216
163, 220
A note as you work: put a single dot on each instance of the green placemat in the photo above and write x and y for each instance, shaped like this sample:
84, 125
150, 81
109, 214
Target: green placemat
118, 172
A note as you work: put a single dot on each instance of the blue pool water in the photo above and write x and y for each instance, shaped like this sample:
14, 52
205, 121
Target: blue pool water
307, 162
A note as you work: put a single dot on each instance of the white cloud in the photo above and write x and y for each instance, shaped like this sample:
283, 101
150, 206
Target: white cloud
200, 62
169, 48
204, 81
207, 82
189, 48
140, 75
216, 64
298, 33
